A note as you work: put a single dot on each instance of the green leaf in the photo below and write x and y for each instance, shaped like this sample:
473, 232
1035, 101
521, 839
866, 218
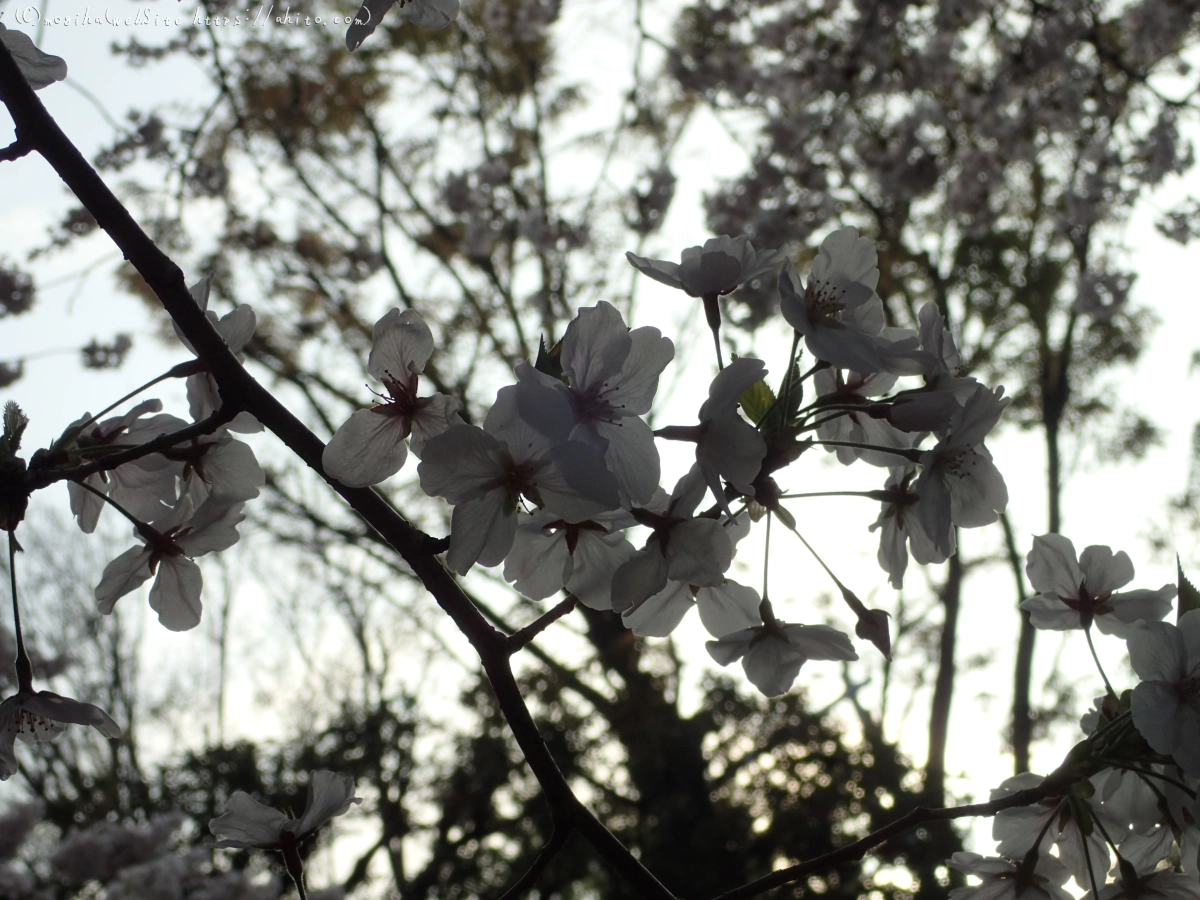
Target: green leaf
1189, 597
756, 400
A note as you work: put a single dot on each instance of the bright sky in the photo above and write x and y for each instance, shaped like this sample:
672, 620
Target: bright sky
1115, 505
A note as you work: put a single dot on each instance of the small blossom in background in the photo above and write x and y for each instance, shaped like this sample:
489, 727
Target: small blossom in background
1166, 705
36, 716
422, 13
369, 446
248, 824
900, 524
1074, 593
719, 267
40, 69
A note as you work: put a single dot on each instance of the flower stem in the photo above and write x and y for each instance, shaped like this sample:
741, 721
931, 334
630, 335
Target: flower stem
191, 367
23, 665
910, 455
870, 495
767, 554
712, 312
1088, 634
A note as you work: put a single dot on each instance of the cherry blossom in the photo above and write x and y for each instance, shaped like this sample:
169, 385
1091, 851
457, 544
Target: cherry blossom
36, 716
959, 484
837, 311
1074, 593
40, 69
772, 653
1166, 705
484, 472
1154, 885
549, 554
613, 374
369, 446
682, 548
248, 824
422, 13
899, 523
143, 487
218, 466
719, 267
1005, 880
236, 328
724, 608
836, 388
168, 554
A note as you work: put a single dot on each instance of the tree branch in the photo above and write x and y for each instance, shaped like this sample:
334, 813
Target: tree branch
238, 386
538, 625
558, 840
1052, 786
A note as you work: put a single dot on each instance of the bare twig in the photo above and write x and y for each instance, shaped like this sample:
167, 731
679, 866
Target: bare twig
538, 625
558, 840
238, 386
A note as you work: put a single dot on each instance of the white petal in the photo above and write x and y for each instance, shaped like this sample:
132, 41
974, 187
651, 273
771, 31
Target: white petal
1052, 567
214, 527
729, 385
432, 14
978, 497
237, 327
538, 563
1156, 652
634, 387
248, 823
731, 646
1049, 613
772, 666
128, 571
436, 414
462, 463
820, 642
699, 552
40, 69
661, 614
595, 346
481, 531
329, 795
175, 595
1104, 570
401, 343
658, 269
845, 346
728, 607
595, 560
640, 577
64, 709
368, 448
574, 483
86, 506
1133, 606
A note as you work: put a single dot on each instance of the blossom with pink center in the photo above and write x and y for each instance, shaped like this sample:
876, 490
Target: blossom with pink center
613, 376
840, 290
248, 824
168, 555
773, 653
35, 716
484, 473
369, 446
1074, 593
959, 484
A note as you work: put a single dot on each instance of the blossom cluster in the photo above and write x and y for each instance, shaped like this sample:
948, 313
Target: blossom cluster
564, 466
1121, 815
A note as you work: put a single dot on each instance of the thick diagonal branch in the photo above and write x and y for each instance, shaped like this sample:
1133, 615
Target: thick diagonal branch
236, 385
